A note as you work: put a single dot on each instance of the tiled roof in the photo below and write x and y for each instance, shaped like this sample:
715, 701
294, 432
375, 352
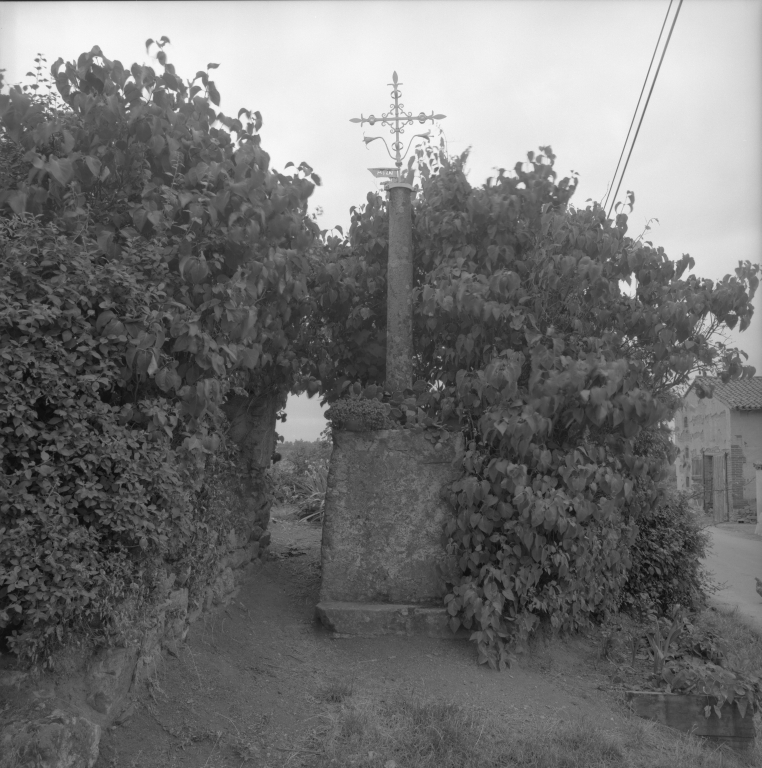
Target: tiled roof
742, 394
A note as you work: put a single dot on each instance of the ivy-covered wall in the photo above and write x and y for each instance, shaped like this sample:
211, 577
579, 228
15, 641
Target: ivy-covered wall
153, 292
92, 688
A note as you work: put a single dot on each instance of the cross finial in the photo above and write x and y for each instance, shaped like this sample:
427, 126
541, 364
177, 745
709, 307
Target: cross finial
396, 119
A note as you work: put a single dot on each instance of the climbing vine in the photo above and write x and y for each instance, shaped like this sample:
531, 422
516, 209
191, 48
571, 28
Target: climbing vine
554, 343
151, 263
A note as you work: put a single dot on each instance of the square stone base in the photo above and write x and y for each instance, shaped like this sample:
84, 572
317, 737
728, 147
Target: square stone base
384, 566
384, 516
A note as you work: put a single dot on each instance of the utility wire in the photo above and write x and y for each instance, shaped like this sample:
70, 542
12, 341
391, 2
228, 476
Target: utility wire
651, 90
637, 106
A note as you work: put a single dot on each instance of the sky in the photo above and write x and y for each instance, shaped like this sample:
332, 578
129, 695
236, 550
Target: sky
509, 75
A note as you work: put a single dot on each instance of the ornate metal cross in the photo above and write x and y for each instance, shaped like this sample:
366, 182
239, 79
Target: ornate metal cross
396, 119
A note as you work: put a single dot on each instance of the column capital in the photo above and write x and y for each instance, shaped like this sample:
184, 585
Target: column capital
399, 185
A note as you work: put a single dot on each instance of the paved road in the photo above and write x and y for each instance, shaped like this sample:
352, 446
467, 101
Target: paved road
735, 560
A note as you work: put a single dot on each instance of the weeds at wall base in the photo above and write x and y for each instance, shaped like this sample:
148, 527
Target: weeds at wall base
410, 732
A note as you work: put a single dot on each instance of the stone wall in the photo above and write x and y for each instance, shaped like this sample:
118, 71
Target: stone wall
56, 719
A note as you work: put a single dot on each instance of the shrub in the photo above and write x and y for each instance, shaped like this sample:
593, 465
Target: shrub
150, 260
312, 488
550, 369
88, 498
666, 558
302, 475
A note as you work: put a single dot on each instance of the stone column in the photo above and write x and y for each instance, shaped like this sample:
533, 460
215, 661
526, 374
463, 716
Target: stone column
399, 282
758, 469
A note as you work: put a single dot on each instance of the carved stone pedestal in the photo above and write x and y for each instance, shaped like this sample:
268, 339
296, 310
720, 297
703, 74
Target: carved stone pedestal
384, 565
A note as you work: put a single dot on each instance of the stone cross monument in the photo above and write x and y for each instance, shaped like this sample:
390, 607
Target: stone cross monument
382, 554
399, 307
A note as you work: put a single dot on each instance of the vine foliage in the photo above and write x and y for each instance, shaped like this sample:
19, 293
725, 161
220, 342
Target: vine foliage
151, 263
556, 345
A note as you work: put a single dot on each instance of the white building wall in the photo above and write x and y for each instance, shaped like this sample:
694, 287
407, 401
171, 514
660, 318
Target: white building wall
746, 439
703, 428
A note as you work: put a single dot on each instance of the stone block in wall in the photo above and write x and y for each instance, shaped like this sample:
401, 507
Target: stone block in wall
224, 586
149, 654
384, 517
263, 515
108, 678
257, 532
169, 628
177, 601
238, 558
175, 631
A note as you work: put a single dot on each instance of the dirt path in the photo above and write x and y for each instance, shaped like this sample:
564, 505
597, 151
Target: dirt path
254, 679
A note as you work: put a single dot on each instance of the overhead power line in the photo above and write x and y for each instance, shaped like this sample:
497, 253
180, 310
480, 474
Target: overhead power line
648, 99
637, 106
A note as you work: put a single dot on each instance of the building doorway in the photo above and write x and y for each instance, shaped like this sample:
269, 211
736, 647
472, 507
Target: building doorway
708, 481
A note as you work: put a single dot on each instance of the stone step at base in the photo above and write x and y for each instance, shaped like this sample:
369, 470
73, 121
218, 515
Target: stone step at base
345, 619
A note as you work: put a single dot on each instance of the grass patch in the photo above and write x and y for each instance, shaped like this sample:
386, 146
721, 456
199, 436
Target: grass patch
336, 691
362, 731
744, 646
410, 733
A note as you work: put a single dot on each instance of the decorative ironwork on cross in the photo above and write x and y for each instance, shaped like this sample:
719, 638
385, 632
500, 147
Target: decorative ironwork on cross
396, 119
